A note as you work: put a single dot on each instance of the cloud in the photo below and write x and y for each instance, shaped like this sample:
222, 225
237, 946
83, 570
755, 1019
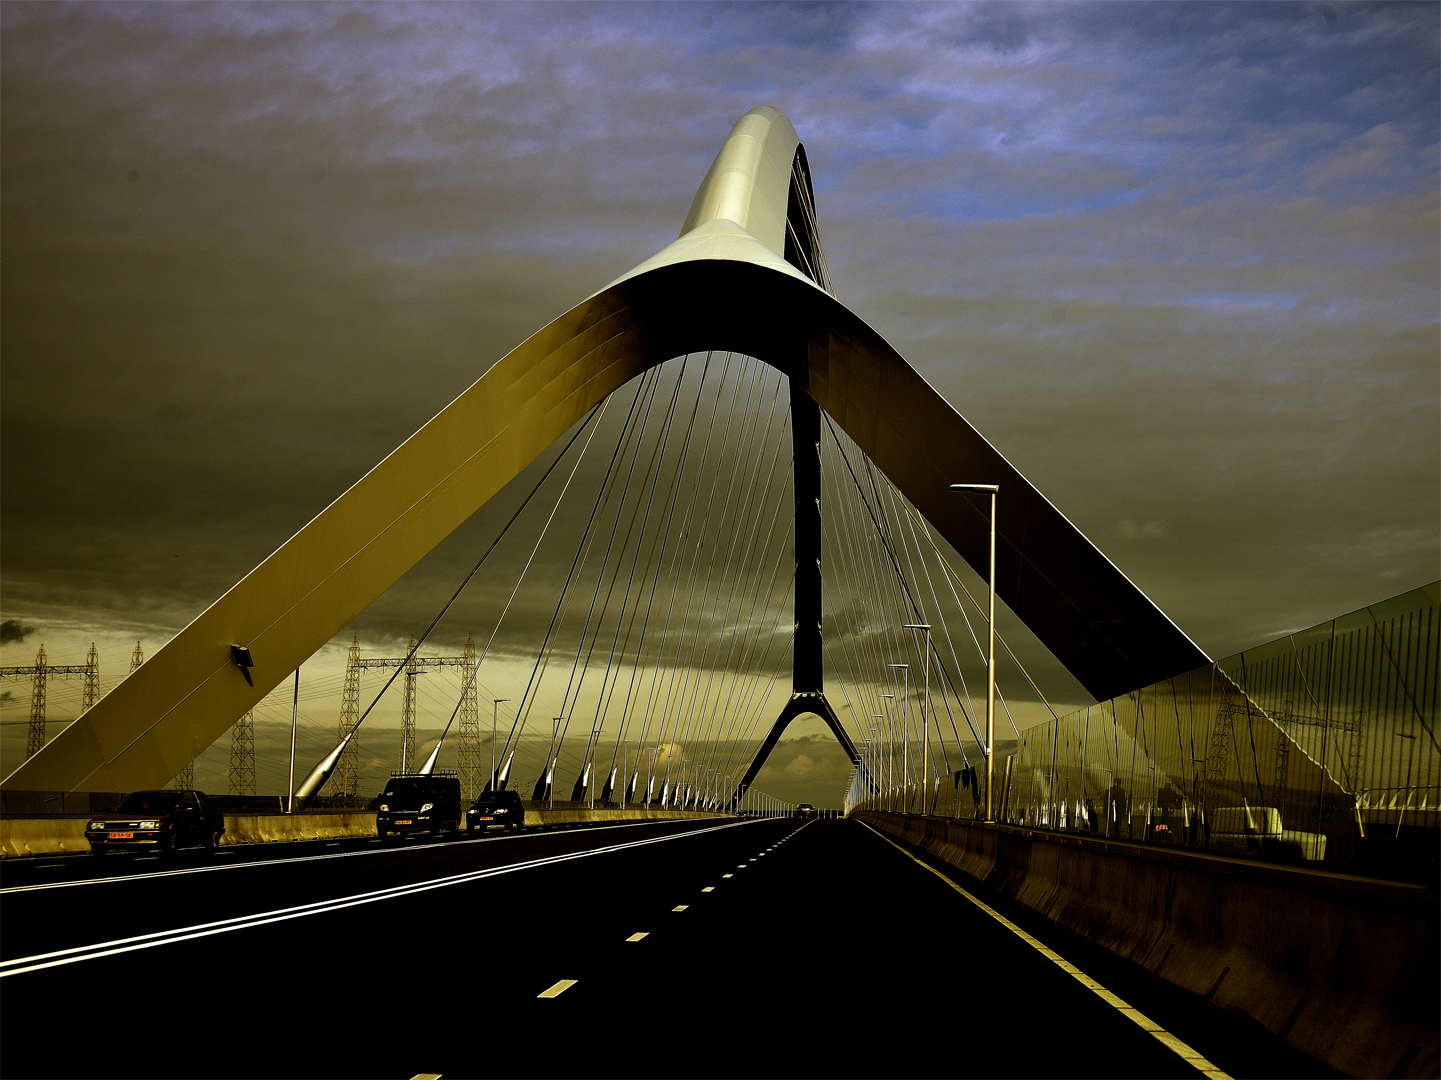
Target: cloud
1176, 261
1127, 529
13, 630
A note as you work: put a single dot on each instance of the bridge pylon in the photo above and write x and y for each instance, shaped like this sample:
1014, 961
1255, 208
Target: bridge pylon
808, 680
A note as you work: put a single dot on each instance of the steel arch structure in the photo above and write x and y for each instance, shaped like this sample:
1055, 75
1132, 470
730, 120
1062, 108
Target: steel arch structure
725, 284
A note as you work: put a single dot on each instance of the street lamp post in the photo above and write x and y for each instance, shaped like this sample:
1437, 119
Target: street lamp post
876, 750
992, 489
925, 713
494, 710
890, 752
550, 765
905, 728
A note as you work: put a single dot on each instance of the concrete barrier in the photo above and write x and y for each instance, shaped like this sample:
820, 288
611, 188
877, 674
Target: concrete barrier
1343, 968
66, 835
43, 836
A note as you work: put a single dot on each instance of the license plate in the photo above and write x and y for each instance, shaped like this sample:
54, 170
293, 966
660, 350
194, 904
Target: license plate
122, 836
405, 822
487, 819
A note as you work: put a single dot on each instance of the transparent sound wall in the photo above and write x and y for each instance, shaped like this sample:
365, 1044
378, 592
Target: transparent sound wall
1317, 748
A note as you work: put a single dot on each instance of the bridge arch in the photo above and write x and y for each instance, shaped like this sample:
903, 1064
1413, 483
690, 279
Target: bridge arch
725, 284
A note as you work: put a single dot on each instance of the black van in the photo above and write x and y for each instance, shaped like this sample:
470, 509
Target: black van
419, 803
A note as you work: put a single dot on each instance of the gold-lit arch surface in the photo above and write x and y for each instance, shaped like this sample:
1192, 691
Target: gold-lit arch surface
723, 285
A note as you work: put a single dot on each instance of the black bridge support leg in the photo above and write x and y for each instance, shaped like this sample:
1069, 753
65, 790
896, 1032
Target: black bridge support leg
808, 671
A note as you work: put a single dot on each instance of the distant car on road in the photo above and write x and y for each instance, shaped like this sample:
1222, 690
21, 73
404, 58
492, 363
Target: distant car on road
805, 809
418, 803
158, 821
496, 810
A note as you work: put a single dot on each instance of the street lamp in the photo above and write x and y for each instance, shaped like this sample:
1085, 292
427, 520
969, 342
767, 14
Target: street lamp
550, 775
890, 750
876, 750
905, 728
494, 709
925, 714
991, 648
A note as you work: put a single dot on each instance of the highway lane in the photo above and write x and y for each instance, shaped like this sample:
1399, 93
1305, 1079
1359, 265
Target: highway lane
778, 947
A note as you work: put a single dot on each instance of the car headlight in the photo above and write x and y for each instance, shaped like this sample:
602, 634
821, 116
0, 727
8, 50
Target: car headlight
148, 825
385, 807
426, 807
97, 825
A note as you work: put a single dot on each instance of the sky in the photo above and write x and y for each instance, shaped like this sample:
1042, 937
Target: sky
1178, 262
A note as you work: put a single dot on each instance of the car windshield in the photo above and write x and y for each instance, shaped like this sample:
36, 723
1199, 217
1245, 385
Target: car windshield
151, 802
414, 792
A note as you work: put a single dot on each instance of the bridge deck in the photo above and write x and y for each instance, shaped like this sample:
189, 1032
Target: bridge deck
772, 947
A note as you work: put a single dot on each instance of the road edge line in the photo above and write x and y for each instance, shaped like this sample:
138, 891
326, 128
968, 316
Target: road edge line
1184, 1051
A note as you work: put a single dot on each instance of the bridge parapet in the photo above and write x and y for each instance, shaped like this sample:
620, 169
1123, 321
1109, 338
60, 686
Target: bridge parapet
1341, 967
1316, 749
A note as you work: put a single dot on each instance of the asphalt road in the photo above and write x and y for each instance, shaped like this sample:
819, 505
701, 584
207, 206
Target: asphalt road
699, 948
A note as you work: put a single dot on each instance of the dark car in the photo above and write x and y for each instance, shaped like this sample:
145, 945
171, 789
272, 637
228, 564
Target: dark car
158, 821
496, 810
805, 809
418, 803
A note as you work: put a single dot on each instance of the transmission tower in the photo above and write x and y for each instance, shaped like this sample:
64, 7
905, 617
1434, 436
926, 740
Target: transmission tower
242, 756
468, 747
415, 666
137, 657
39, 674
407, 712
90, 688
35, 735
348, 769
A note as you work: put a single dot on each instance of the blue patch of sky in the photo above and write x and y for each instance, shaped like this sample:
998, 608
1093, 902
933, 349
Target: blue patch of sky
1279, 65
974, 207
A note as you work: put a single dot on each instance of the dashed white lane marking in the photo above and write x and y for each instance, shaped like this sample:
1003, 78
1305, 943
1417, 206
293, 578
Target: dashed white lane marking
709, 888
638, 936
1190, 1056
680, 907
727, 875
559, 988
95, 951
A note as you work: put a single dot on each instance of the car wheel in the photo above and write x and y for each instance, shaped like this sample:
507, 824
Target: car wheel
212, 843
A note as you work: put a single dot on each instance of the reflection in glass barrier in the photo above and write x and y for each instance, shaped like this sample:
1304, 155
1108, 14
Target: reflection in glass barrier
1319, 747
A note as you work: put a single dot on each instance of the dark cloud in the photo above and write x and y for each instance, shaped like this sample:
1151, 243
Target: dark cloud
13, 630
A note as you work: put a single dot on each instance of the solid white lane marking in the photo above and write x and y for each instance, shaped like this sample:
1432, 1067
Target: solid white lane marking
76, 954
680, 907
1190, 1056
235, 849
559, 988
639, 935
